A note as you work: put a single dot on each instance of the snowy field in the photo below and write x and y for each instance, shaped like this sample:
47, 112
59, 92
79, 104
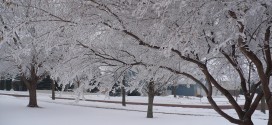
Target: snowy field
13, 111
158, 99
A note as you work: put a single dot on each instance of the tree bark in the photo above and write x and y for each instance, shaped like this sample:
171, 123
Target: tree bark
123, 92
150, 106
5, 85
53, 89
174, 91
31, 84
270, 118
247, 121
32, 95
263, 105
151, 94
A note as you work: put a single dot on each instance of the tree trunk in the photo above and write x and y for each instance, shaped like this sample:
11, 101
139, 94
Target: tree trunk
32, 95
270, 118
53, 89
174, 91
247, 121
5, 85
150, 106
123, 91
151, 94
263, 105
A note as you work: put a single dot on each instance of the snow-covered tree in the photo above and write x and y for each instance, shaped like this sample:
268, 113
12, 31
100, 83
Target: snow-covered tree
211, 40
152, 81
29, 47
203, 33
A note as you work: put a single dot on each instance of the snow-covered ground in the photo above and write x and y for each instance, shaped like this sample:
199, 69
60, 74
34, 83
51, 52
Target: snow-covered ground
13, 111
158, 99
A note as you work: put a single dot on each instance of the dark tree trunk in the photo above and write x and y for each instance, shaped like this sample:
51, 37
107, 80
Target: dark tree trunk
263, 105
31, 84
32, 95
5, 85
269, 117
151, 94
53, 89
247, 121
174, 91
150, 106
123, 92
